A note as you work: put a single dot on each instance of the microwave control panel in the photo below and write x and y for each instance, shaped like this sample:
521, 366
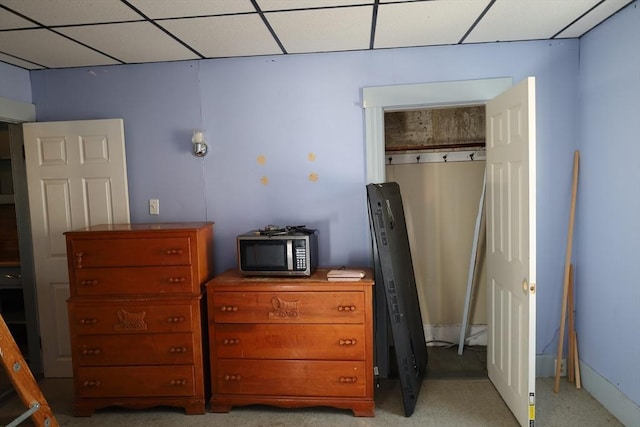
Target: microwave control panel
301, 257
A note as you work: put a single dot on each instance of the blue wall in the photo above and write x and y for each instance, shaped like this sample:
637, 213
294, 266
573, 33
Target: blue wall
608, 210
288, 107
15, 83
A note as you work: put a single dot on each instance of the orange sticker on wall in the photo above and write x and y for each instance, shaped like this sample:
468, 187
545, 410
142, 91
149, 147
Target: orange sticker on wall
313, 177
262, 159
264, 180
311, 157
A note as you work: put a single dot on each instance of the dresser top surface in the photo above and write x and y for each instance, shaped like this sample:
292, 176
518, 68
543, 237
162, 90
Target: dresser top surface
233, 277
161, 226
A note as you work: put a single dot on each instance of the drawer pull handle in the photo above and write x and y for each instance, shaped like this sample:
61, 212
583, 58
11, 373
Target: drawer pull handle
229, 308
175, 319
177, 279
78, 259
232, 377
348, 380
91, 282
178, 382
13, 276
348, 341
174, 251
178, 350
91, 383
88, 321
346, 308
231, 341
91, 351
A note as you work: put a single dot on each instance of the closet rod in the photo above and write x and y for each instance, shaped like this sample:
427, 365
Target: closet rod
434, 157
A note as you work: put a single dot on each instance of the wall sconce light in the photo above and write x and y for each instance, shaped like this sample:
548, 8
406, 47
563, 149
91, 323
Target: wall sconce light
198, 144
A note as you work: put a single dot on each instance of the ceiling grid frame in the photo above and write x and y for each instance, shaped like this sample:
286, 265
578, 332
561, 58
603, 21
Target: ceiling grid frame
61, 34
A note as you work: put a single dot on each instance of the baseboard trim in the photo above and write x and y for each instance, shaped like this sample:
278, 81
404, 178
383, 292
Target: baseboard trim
616, 402
442, 334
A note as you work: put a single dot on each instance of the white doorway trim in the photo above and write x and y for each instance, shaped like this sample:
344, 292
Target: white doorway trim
16, 111
378, 99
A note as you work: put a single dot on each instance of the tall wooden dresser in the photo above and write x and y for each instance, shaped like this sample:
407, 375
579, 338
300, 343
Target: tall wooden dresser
135, 315
291, 342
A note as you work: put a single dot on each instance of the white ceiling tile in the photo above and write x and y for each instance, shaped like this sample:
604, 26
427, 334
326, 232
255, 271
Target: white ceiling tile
225, 36
49, 49
595, 17
509, 20
232, 28
181, 8
69, 12
323, 30
130, 42
10, 21
19, 63
425, 23
271, 5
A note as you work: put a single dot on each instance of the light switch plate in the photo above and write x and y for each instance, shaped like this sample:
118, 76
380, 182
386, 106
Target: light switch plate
154, 207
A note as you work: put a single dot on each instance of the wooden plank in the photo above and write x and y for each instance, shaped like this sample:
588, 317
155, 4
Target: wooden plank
570, 361
567, 266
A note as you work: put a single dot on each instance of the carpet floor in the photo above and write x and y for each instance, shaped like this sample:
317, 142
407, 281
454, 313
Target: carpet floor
441, 403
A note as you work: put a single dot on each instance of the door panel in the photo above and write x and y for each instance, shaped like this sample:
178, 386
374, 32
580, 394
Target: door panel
511, 247
76, 177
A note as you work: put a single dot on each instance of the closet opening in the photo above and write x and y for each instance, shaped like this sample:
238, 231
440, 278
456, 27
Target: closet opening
437, 157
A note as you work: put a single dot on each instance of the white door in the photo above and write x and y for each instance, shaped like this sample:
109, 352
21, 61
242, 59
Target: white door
76, 177
511, 247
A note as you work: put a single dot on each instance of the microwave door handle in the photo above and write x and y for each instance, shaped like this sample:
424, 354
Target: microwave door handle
290, 254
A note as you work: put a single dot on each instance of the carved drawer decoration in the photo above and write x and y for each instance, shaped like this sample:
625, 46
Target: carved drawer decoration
131, 321
283, 309
305, 307
130, 317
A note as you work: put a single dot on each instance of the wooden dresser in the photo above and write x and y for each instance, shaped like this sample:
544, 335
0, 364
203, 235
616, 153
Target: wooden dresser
291, 342
135, 315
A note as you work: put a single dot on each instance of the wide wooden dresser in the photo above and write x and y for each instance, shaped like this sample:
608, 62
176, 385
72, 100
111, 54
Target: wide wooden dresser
136, 315
291, 341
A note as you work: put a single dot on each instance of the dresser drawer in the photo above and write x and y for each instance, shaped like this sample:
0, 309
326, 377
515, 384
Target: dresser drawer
127, 317
122, 350
123, 252
136, 381
294, 341
290, 378
287, 307
134, 281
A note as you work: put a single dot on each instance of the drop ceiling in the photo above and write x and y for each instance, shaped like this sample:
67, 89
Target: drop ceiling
41, 34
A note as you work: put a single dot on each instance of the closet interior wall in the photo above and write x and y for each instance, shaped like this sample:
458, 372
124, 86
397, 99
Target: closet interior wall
441, 206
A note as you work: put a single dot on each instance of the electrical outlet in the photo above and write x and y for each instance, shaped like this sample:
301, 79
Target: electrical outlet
154, 207
563, 366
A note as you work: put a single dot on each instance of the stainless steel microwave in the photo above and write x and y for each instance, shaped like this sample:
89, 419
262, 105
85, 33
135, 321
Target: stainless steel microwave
275, 251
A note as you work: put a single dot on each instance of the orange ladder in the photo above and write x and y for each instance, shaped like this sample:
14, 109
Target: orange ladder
23, 382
